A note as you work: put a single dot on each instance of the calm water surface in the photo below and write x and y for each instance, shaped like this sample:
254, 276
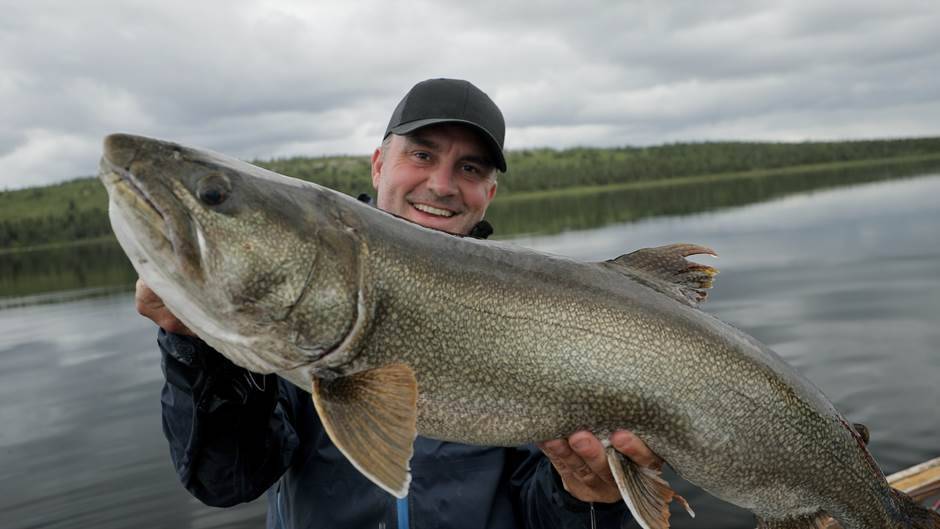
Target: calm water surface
844, 284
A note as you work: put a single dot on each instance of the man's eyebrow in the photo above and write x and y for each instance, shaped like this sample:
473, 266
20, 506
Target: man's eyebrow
420, 141
479, 160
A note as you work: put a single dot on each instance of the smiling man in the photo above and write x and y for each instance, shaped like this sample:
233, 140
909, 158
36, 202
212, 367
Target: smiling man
440, 177
438, 160
234, 435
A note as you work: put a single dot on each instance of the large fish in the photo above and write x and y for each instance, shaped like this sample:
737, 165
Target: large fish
398, 330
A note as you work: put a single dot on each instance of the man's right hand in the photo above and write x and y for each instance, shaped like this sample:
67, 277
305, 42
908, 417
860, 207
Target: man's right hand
149, 305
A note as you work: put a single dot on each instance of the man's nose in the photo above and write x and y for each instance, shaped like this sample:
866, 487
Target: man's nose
441, 182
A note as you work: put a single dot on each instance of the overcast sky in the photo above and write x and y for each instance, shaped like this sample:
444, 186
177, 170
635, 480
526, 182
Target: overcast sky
271, 78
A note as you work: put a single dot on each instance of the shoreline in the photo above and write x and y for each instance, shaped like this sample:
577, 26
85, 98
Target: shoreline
720, 177
574, 191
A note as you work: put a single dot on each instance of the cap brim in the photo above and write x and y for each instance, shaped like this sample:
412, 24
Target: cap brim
411, 126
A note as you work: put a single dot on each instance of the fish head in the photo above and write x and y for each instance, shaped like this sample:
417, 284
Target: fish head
232, 249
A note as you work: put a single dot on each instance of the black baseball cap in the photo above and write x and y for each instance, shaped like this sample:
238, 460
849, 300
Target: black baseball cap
451, 101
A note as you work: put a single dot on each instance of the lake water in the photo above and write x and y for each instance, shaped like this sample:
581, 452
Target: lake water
843, 283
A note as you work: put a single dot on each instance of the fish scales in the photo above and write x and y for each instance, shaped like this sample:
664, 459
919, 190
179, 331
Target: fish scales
397, 330
615, 379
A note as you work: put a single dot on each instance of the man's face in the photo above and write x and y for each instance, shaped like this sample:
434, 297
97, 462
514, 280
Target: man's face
439, 176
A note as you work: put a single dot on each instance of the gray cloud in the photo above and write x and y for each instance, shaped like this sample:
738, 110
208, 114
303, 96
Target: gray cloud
280, 78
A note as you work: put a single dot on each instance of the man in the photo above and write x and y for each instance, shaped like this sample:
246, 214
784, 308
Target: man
234, 435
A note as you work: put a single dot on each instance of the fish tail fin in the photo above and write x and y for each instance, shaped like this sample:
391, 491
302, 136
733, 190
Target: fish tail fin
911, 515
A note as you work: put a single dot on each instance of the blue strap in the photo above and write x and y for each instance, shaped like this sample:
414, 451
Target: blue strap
402, 506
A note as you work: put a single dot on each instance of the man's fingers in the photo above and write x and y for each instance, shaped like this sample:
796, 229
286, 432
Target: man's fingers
139, 292
584, 478
569, 463
143, 292
150, 306
633, 447
566, 461
555, 451
590, 450
146, 299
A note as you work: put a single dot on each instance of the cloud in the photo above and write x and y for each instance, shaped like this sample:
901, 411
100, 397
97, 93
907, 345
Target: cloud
44, 155
279, 78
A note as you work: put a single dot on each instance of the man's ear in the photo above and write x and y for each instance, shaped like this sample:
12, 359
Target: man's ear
376, 167
492, 192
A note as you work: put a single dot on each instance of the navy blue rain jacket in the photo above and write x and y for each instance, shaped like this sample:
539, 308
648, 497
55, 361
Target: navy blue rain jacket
234, 436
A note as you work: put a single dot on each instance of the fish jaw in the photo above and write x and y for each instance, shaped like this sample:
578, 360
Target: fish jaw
152, 210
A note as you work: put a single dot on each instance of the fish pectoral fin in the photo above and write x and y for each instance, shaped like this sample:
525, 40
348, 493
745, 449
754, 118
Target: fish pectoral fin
666, 269
646, 494
371, 417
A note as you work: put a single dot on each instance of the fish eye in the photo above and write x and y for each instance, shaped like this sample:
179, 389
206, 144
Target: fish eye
212, 196
214, 190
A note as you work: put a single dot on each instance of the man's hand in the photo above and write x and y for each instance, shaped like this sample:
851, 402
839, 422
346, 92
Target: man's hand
149, 305
582, 463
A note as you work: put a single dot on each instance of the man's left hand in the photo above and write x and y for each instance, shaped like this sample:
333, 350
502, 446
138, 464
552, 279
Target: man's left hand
581, 461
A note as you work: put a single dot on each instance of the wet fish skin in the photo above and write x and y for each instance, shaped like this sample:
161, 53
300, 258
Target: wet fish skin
505, 346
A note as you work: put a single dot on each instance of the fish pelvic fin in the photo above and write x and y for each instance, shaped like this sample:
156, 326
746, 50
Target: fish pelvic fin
910, 515
371, 417
905, 514
666, 269
818, 520
646, 494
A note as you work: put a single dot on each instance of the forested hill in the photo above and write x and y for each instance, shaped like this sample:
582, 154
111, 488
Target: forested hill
77, 210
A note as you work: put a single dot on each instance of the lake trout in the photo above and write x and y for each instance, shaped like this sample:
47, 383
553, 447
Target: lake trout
398, 330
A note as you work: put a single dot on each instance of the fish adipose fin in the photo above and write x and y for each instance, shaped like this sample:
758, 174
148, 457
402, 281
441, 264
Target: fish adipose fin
862, 431
644, 491
667, 270
371, 417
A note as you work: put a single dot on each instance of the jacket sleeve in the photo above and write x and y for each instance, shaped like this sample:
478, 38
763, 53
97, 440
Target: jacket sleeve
543, 502
229, 439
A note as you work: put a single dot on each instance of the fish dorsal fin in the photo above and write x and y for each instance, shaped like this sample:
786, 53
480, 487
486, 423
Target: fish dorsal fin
646, 494
666, 269
371, 417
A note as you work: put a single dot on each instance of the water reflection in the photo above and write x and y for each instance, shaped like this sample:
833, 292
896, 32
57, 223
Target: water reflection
583, 211
81, 443
86, 267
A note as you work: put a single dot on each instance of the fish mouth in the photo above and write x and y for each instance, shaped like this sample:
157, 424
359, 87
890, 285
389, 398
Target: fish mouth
157, 218
123, 182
